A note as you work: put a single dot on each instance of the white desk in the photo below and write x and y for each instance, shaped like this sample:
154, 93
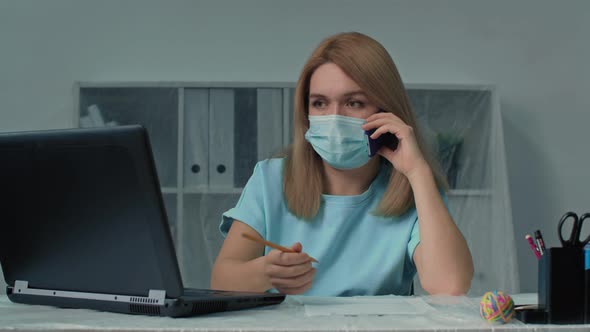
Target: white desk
443, 314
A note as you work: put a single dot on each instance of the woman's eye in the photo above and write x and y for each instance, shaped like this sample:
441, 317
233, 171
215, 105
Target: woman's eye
318, 104
355, 104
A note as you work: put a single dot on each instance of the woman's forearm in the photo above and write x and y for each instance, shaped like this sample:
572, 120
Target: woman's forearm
230, 274
446, 266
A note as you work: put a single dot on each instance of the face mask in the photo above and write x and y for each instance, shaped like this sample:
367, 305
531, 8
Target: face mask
339, 140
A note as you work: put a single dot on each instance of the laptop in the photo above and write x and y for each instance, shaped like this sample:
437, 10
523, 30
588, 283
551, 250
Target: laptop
84, 226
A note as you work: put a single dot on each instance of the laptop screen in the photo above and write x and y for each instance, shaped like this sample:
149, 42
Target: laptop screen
82, 211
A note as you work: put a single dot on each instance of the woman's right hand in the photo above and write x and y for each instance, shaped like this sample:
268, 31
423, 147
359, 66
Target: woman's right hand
289, 273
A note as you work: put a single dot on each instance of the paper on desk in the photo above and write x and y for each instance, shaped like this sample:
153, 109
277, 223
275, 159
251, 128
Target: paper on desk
364, 305
525, 298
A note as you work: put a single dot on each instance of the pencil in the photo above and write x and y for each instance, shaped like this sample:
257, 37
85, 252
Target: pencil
272, 245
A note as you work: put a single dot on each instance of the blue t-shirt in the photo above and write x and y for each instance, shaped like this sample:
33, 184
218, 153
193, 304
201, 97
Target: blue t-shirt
358, 253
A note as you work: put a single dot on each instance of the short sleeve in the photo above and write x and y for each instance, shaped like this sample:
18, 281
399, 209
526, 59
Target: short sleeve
250, 206
413, 242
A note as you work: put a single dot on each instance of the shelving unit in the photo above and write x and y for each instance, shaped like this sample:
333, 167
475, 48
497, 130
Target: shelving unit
207, 137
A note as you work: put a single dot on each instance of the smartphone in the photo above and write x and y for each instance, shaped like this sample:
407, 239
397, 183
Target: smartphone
387, 139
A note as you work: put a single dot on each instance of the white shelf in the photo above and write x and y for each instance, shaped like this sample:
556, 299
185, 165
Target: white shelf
469, 192
168, 190
170, 84
223, 190
212, 190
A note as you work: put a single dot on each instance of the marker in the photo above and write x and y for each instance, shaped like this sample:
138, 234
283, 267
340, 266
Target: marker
533, 245
587, 284
540, 242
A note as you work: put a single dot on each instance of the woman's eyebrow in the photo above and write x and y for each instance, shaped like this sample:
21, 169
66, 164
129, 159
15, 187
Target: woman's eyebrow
353, 93
346, 95
317, 96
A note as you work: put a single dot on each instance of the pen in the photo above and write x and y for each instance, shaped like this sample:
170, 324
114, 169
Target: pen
272, 245
540, 242
533, 246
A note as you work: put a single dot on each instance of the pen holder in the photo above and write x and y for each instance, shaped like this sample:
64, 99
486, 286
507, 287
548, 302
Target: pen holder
561, 285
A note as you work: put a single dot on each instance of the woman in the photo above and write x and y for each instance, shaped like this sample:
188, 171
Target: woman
371, 222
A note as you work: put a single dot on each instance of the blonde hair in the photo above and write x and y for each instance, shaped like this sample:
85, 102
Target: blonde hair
369, 64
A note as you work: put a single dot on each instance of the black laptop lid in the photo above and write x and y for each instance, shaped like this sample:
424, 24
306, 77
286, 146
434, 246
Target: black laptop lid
81, 210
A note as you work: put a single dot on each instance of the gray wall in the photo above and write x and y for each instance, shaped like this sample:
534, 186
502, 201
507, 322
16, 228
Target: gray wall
536, 52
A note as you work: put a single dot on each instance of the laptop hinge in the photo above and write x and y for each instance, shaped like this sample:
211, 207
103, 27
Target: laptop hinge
155, 297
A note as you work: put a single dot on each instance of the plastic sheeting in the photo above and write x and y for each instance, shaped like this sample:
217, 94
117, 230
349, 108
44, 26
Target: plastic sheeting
463, 126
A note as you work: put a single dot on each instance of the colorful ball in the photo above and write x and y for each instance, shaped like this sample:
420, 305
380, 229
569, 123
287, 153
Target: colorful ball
496, 306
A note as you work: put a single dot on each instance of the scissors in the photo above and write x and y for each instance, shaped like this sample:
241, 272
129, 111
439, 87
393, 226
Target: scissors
574, 239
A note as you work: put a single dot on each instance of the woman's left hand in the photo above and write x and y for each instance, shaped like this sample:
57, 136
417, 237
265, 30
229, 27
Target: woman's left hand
407, 157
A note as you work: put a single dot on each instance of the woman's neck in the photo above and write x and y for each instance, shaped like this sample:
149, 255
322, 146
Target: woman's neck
348, 182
